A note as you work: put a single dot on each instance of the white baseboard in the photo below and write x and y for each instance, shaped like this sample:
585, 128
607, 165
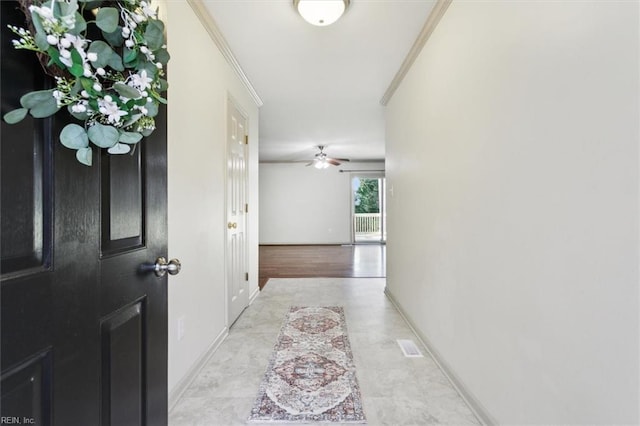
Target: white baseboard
254, 294
474, 405
176, 393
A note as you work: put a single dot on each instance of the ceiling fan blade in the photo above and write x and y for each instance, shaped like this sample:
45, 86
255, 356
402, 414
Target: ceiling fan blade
342, 159
332, 161
311, 163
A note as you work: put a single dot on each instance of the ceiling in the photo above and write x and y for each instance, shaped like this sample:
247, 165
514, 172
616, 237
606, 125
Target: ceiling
320, 85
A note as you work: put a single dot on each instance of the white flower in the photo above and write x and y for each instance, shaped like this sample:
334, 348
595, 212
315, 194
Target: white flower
97, 87
46, 16
79, 107
110, 109
69, 21
128, 43
87, 72
52, 39
141, 81
159, 65
65, 53
146, 9
126, 32
144, 49
92, 56
101, 71
84, 94
65, 42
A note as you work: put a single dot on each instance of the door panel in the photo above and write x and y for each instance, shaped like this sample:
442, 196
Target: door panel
84, 319
123, 366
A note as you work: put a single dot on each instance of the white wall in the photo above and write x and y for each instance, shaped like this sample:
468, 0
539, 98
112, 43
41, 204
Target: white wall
512, 150
200, 81
304, 205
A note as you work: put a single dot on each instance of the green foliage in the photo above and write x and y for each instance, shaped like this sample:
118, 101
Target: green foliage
107, 19
15, 116
74, 136
103, 136
367, 196
112, 85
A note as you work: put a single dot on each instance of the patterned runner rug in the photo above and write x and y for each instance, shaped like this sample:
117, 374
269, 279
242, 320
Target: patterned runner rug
311, 376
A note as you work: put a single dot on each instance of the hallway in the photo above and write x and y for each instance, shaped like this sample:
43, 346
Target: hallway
395, 390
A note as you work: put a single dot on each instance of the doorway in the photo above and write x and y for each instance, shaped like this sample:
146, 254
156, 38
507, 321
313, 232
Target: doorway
368, 209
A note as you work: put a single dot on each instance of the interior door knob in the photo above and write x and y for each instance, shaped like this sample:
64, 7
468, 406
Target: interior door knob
231, 225
162, 267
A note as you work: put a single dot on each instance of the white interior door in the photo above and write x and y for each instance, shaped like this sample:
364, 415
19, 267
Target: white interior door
237, 275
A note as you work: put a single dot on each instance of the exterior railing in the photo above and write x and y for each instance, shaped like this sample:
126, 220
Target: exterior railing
364, 223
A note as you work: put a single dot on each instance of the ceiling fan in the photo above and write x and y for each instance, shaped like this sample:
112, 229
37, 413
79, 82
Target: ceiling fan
322, 161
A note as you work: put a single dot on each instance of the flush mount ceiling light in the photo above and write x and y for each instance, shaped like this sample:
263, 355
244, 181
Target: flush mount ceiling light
321, 12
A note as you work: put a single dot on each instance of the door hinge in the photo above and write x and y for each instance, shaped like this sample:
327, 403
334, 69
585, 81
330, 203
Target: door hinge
246, 139
246, 276
246, 208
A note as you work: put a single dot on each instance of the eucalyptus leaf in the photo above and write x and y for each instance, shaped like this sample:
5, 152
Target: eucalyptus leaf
130, 137
151, 69
41, 41
81, 25
129, 55
45, 108
15, 116
37, 23
68, 8
74, 136
152, 109
119, 148
107, 19
114, 38
103, 51
163, 56
85, 156
77, 88
132, 120
126, 91
32, 99
164, 84
103, 136
115, 62
154, 34
146, 132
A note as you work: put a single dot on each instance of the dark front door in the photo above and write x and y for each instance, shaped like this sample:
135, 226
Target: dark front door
84, 320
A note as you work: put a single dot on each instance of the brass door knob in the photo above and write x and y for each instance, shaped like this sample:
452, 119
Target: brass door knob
232, 225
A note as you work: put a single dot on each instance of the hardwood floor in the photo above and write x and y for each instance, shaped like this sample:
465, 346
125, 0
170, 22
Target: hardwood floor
353, 261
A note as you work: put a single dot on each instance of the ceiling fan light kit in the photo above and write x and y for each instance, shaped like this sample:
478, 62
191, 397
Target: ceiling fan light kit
322, 161
321, 12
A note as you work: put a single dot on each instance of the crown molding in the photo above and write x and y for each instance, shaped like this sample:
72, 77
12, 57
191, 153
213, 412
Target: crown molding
214, 32
432, 22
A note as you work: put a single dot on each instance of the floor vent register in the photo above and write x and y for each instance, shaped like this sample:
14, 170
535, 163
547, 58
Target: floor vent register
409, 348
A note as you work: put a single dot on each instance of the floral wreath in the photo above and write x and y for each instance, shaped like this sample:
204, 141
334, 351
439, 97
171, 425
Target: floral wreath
112, 85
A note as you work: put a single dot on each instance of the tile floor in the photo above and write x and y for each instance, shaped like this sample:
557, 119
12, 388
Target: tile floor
395, 390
